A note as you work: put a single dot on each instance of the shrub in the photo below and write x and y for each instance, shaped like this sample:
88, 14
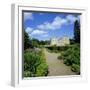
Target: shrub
60, 56
42, 70
72, 57
57, 49
63, 48
32, 63
27, 73
76, 68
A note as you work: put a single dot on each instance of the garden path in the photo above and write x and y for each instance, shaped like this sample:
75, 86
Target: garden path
56, 67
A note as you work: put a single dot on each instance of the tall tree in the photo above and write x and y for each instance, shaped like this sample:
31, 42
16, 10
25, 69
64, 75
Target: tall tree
77, 31
26, 41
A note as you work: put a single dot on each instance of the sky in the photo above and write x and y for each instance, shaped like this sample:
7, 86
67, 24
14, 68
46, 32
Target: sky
45, 25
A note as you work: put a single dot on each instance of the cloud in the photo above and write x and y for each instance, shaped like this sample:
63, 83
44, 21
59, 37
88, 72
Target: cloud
58, 22
55, 24
29, 29
42, 31
38, 32
71, 18
28, 15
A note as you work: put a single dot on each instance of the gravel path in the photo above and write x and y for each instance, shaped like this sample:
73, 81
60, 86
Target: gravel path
56, 67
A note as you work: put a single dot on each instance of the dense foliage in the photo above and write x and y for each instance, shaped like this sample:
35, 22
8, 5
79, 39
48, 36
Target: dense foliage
27, 43
77, 31
35, 64
57, 49
72, 57
31, 43
37, 43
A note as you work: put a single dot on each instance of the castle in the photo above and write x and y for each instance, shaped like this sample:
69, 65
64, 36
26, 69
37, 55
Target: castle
60, 42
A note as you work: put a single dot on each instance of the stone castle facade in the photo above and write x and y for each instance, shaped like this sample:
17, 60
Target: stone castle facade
60, 42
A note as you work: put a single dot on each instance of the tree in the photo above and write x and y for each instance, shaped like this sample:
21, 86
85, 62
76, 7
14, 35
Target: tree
35, 42
46, 42
27, 43
77, 31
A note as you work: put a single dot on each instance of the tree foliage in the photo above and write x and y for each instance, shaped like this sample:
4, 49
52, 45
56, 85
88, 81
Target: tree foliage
27, 43
35, 42
77, 31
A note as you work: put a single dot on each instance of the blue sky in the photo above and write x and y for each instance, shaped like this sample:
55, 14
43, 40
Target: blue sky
44, 26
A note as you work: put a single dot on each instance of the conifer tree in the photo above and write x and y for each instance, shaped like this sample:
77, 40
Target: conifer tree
77, 31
